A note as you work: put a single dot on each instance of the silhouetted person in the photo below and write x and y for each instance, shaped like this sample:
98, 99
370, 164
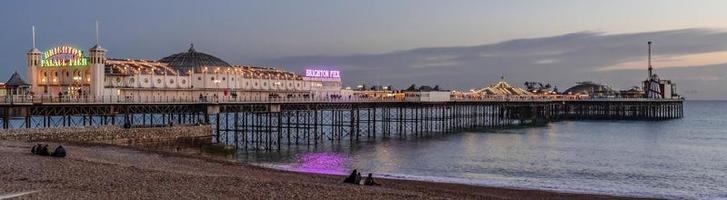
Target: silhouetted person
370, 180
358, 178
59, 152
43, 151
351, 178
35, 149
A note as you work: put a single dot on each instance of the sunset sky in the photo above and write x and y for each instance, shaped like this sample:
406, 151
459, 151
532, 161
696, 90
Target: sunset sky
457, 44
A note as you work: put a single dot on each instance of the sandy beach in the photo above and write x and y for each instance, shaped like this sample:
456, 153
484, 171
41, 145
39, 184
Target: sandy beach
111, 172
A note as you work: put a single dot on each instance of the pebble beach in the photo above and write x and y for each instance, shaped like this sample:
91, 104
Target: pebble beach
113, 172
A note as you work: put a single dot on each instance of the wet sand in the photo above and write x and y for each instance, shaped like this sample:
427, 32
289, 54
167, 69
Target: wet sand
111, 172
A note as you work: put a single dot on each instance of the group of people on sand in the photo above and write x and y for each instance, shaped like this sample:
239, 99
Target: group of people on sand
355, 178
42, 150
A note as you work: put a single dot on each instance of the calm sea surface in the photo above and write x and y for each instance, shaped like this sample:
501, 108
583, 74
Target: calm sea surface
685, 158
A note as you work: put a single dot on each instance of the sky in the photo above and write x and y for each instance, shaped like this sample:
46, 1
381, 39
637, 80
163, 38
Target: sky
457, 44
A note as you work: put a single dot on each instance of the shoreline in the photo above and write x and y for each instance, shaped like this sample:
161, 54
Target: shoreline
460, 181
107, 171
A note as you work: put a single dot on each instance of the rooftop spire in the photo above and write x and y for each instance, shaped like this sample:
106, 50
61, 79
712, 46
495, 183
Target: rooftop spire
97, 33
97, 46
33, 36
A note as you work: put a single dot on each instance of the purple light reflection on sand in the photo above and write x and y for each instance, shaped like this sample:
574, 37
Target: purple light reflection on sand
321, 163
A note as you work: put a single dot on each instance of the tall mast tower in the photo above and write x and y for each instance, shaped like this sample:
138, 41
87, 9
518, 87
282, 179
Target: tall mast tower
651, 69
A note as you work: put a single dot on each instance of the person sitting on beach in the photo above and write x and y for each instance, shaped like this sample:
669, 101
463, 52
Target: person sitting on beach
351, 178
59, 152
43, 151
370, 180
35, 149
358, 178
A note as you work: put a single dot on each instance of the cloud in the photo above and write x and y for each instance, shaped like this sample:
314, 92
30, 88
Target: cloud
668, 61
614, 59
547, 61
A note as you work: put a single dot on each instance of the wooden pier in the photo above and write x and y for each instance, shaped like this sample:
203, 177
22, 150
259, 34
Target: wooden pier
277, 125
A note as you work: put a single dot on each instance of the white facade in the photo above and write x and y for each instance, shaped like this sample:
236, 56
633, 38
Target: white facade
427, 96
101, 78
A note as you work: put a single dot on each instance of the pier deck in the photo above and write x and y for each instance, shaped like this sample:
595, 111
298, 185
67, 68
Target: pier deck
269, 125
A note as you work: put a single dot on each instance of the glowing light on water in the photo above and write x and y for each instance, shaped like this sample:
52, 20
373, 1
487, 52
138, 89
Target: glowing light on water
321, 162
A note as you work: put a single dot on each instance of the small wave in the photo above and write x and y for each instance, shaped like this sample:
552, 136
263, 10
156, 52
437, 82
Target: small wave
17, 194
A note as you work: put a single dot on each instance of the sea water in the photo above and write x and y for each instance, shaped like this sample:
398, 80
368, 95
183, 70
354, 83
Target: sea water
680, 159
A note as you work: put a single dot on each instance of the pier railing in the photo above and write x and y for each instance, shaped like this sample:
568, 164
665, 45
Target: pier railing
258, 99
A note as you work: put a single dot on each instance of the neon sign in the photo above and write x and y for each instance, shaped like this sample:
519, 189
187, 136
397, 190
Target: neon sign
63, 56
319, 73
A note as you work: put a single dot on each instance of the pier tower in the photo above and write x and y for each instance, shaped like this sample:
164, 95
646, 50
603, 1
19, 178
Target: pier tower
656, 88
97, 66
33, 63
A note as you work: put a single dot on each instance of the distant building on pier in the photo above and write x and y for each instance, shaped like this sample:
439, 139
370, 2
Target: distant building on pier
656, 88
370, 92
502, 88
426, 93
15, 86
591, 89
